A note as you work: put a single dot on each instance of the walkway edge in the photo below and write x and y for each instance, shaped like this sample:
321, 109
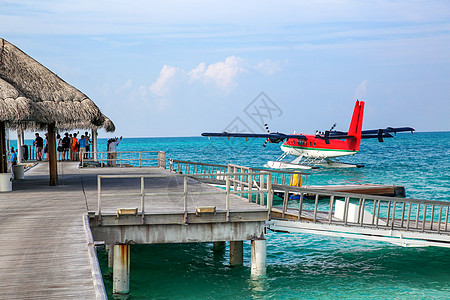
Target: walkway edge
100, 291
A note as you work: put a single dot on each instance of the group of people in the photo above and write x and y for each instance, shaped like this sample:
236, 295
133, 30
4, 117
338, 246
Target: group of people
69, 147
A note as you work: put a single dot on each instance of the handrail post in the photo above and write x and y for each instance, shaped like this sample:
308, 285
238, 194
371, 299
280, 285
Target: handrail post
330, 212
142, 200
346, 203
121, 164
269, 195
285, 203
300, 206
99, 199
316, 204
140, 159
250, 186
227, 199
362, 211
440, 217
185, 199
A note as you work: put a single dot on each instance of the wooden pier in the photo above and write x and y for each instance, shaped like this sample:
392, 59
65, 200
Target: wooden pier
44, 249
47, 246
48, 233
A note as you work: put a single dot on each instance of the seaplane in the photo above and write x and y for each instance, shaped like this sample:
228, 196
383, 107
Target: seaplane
322, 148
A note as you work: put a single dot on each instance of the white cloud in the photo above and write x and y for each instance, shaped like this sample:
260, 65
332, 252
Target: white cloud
198, 72
221, 74
360, 92
268, 67
127, 85
161, 86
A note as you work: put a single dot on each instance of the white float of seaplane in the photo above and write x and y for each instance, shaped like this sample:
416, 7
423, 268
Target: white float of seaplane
320, 149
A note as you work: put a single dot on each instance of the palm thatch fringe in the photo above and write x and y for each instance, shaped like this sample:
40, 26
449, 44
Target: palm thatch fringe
30, 91
13, 106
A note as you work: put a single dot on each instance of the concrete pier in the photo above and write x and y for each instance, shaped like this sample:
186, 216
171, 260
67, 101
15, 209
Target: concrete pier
110, 250
218, 246
121, 269
236, 253
259, 256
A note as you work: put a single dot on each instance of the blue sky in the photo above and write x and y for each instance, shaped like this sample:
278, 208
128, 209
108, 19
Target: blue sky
178, 68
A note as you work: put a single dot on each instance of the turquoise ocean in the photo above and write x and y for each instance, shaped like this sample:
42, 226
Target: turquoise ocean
302, 265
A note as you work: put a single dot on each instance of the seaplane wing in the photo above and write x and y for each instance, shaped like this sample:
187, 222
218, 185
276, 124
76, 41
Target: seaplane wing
271, 136
365, 134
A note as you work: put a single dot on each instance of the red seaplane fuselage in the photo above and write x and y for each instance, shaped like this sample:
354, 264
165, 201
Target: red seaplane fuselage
317, 147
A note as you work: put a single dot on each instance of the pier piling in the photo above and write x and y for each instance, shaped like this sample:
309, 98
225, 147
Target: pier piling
236, 253
121, 269
110, 251
218, 246
258, 257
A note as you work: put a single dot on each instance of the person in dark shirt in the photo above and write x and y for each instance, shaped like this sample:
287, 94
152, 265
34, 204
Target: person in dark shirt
39, 143
66, 146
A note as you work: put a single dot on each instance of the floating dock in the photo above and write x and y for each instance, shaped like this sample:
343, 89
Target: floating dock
365, 189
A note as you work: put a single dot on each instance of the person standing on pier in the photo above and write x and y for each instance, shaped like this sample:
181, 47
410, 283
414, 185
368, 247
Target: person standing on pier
46, 147
13, 157
88, 144
113, 149
82, 143
66, 146
39, 144
75, 147
60, 147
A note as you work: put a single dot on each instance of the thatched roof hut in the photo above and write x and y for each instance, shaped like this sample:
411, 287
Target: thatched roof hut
32, 98
31, 93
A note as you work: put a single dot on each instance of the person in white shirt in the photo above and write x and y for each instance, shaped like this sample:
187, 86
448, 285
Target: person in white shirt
113, 151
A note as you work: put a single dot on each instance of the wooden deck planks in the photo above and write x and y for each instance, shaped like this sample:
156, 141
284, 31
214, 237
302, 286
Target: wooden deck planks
43, 247
44, 252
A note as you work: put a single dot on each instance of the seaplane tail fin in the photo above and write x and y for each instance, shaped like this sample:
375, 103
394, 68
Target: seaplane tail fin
355, 128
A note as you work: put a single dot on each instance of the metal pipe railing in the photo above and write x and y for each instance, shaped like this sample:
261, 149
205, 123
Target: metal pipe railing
278, 177
230, 178
125, 156
365, 210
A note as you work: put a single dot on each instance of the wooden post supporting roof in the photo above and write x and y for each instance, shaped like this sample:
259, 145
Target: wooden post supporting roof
52, 163
3, 151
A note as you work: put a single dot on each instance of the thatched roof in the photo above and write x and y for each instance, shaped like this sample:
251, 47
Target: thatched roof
31, 93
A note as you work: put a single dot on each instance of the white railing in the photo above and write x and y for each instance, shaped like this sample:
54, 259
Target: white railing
278, 177
134, 158
392, 213
264, 193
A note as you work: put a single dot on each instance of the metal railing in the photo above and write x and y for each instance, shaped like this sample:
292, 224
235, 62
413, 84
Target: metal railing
364, 210
232, 187
278, 177
131, 158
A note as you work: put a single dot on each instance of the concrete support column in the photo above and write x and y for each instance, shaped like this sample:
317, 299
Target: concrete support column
110, 251
218, 246
259, 253
19, 145
121, 269
236, 253
94, 143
